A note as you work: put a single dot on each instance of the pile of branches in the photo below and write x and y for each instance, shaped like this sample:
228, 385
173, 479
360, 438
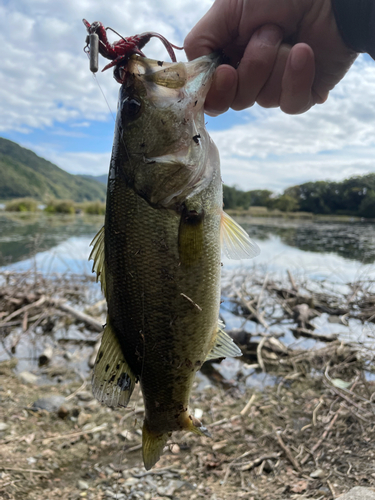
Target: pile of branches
31, 303
273, 303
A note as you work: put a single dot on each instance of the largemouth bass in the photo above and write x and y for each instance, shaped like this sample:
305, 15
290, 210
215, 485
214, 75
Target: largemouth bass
158, 256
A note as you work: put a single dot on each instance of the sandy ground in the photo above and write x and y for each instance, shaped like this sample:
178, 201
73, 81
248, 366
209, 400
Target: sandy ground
303, 437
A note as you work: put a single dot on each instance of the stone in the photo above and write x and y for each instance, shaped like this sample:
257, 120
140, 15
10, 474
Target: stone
83, 485
318, 473
28, 378
50, 403
358, 493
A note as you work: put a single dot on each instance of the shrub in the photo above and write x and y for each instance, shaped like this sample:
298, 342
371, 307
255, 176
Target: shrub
60, 207
94, 208
22, 205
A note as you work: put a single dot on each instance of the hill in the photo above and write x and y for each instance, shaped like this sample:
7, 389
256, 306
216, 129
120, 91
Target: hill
23, 174
99, 178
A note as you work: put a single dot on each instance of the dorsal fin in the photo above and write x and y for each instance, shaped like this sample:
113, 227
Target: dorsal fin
236, 243
97, 255
112, 380
224, 347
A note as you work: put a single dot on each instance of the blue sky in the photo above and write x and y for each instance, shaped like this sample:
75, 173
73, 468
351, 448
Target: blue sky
51, 103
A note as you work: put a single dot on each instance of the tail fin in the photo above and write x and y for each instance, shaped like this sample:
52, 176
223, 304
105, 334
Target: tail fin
152, 446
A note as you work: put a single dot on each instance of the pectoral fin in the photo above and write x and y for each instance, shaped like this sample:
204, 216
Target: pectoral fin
224, 347
236, 243
112, 381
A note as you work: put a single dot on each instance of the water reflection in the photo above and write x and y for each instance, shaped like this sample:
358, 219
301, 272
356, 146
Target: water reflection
321, 250
355, 241
23, 236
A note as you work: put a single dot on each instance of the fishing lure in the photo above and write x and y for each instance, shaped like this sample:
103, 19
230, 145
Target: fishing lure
121, 50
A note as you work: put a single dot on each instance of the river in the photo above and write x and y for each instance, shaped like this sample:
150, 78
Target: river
320, 250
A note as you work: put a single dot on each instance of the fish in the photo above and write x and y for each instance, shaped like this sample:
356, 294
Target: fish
158, 255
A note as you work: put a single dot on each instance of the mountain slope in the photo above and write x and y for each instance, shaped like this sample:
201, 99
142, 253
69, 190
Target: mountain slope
23, 173
99, 178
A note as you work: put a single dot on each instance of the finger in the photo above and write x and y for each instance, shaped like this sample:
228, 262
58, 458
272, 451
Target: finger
256, 65
269, 96
222, 90
213, 31
296, 95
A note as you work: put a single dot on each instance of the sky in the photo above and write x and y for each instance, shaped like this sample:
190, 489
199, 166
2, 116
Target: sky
52, 104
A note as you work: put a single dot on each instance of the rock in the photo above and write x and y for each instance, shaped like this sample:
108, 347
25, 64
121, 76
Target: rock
318, 473
28, 378
46, 356
63, 412
175, 449
83, 485
239, 335
358, 493
3, 426
83, 418
51, 403
173, 485
85, 396
303, 314
131, 481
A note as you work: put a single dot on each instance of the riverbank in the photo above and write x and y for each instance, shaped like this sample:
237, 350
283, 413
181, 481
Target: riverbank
271, 213
286, 422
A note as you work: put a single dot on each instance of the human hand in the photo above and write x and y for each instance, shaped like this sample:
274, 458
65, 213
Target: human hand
286, 53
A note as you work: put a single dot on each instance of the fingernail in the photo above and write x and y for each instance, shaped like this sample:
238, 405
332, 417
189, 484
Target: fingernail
270, 35
298, 60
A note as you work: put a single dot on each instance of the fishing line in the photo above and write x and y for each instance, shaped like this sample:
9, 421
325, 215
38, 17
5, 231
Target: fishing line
101, 90
122, 452
137, 392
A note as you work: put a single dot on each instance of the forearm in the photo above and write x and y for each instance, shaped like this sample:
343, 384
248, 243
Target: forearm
356, 22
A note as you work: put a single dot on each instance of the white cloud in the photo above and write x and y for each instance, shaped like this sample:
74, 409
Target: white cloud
46, 83
332, 141
44, 72
74, 163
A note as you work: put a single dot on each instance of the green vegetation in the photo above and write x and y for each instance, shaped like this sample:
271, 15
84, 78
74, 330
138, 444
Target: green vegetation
60, 207
24, 174
352, 197
22, 205
93, 208
27, 176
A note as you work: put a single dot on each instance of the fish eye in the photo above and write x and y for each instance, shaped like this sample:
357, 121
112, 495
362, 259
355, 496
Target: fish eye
130, 107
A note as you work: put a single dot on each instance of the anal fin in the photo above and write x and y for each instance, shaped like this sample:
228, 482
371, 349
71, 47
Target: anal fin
112, 380
224, 347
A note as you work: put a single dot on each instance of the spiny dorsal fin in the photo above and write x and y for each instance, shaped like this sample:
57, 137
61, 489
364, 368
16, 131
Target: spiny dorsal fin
235, 240
224, 347
112, 380
97, 255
